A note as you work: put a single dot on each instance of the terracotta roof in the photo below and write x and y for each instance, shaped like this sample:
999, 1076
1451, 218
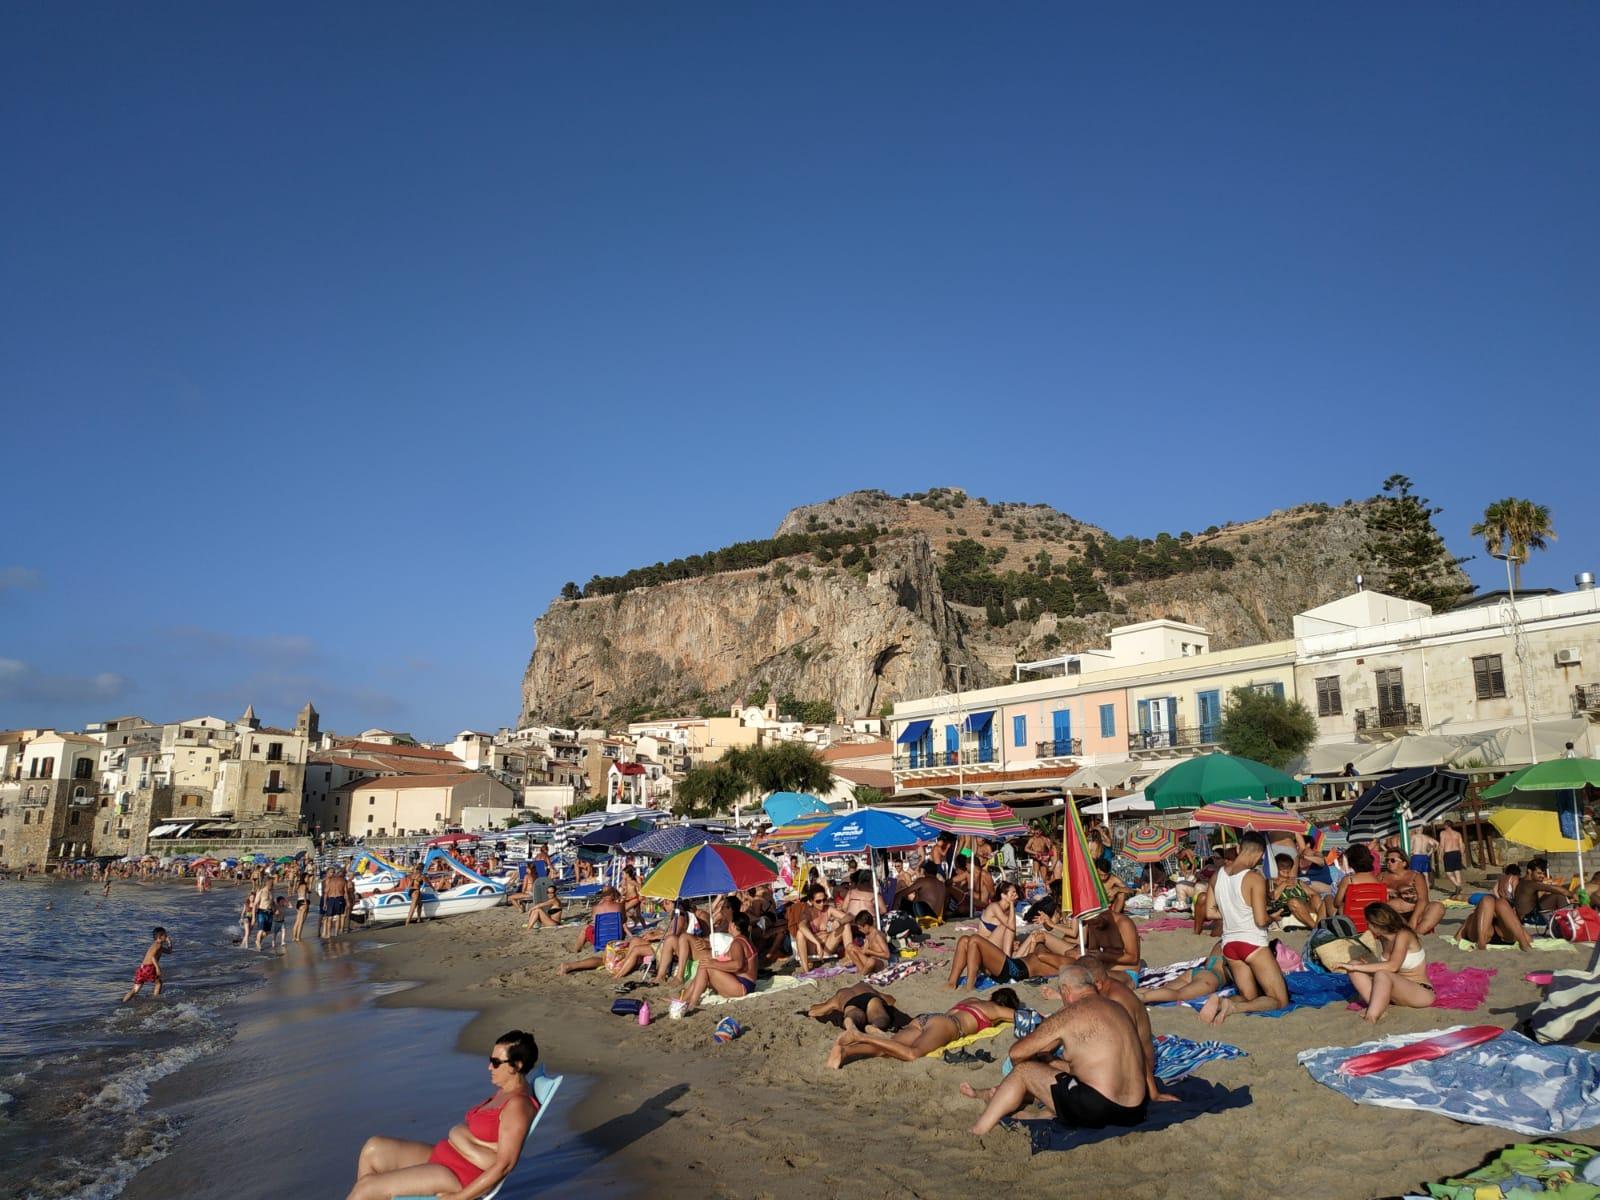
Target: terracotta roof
848, 750
401, 751
882, 780
628, 768
359, 764
401, 782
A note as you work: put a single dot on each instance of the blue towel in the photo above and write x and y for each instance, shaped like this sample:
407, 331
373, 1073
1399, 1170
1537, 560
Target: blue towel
1307, 989
1196, 1098
1178, 1057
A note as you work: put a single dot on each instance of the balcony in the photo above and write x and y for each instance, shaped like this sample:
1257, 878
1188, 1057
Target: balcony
1180, 737
273, 789
1059, 748
1396, 720
970, 756
1586, 700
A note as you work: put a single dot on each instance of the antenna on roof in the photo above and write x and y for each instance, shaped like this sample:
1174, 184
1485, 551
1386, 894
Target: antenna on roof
1361, 584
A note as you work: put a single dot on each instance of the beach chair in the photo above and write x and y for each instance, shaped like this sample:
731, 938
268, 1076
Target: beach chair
544, 1091
607, 929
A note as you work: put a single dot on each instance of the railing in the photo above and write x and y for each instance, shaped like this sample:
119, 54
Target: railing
1586, 699
1059, 748
273, 788
1402, 716
1179, 737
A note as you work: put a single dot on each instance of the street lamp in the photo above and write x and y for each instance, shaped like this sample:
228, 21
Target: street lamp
1518, 642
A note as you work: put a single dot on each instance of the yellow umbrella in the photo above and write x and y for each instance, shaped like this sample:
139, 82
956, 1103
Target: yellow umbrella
1537, 825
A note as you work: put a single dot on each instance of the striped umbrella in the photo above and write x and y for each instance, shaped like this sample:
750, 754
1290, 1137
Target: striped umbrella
1150, 844
976, 816
1082, 893
1250, 814
1395, 803
710, 869
659, 843
795, 831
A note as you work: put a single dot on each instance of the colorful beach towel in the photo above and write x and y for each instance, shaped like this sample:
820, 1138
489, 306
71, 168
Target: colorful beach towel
1178, 1057
1161, 976
1510, 1082
1538, 943
899, 970
764, 987
1458, 991
1548, 1167
1195, 1098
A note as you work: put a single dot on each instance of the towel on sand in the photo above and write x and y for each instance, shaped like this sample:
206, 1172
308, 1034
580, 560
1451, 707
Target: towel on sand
1548, 1167
1166, 924
1510, 1082
1177, 1057
1307, 989
773, 983
1195, 1098
1538, 943
992, 1031
1160, 976
1459, 991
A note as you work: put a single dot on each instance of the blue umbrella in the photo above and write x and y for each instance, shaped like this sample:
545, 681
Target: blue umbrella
783, 807
869, 829
660, 843
614, 835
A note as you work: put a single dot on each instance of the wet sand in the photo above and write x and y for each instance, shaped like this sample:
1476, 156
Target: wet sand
762, 1117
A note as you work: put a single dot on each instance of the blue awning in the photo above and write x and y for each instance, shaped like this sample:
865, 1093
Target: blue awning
979, 721
914, 732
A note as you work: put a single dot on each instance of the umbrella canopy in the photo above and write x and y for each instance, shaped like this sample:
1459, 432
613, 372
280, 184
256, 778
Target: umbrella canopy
287, 858
976, 816
783, 807
1510, 744
1329, 837
1150, 843
1413, 750
1082, 893
1211, 778
451, 839
794, 831
1535, 822
615, 835
1557, 775
710, 869
1425, 792
1250, 814
868, 829
1132, 802
660, 843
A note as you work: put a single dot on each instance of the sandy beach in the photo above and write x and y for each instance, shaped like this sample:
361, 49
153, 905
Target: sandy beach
671, 1111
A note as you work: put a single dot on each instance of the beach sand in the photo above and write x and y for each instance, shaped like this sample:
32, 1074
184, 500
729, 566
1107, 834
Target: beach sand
673, 1112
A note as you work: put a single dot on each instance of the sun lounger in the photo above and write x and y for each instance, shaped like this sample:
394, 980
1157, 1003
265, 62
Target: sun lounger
544, 1089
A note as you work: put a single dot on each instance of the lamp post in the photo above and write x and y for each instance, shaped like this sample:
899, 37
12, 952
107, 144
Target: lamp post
1519, 643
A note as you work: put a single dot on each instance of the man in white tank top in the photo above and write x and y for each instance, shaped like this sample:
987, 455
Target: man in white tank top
1239, 896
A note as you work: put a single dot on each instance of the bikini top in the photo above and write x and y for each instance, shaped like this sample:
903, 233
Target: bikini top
975, 1013
1414, 960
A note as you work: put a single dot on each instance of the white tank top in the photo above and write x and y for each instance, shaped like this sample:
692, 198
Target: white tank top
1238, 918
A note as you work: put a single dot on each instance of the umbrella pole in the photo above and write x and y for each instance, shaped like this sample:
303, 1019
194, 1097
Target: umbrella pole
872, 865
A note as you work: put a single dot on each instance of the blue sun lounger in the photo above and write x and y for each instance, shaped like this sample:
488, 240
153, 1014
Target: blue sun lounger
544, 1091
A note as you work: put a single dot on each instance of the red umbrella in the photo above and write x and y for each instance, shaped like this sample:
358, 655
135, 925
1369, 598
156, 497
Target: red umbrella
451, 839
1082, 894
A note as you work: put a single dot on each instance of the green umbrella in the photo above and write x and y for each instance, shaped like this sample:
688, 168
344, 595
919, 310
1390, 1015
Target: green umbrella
1212, 778
1557, 775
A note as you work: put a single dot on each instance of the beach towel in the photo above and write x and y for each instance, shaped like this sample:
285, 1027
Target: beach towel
1165, 924
1458, 991
1538, 943
1570, 1010
1510, 1082
981, 1035
1178, 1057
1161, 976
1548, 1167
773, 983
899, 970
1307, 989
1196, 1098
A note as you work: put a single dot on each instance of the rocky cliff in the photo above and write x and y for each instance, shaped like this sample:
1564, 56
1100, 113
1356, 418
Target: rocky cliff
941, 579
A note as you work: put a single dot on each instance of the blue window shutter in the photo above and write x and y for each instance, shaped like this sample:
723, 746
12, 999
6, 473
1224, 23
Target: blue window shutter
1019, 731
952, 738
1144, 716
1277, 690
1108, 720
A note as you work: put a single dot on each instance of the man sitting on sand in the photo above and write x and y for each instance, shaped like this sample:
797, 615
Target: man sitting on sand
1289, 895
927, 895
871, 953
1239, 894
858, 1007
1084, 1064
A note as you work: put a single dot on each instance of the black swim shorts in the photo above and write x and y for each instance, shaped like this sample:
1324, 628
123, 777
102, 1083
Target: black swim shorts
1079, 1106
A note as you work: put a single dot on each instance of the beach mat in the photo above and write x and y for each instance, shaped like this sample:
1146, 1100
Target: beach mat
1455, 991
1178, 1057
764, 987
981, 1035
1195, 1098
1538, 943
1510, 1082
1307, 989
1151, 977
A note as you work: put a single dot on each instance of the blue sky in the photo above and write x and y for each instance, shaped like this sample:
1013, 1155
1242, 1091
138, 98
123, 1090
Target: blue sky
338, 337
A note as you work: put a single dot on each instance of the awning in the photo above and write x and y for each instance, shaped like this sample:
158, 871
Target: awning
914, 732
979, 721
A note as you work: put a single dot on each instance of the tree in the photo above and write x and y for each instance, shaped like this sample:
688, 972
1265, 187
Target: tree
749, 771
1512, 526
866, 797
707, 791
589, 805
1409, 558
570, 591
1267, 727
809, 712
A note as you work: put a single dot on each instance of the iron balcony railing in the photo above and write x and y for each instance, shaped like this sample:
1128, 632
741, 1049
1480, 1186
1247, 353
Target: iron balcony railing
1586, 698
1059, 748
969, 756
1180, 737
1400, 716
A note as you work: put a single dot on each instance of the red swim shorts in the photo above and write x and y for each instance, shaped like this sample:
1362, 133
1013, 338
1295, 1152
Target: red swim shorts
1239, 951
146, 974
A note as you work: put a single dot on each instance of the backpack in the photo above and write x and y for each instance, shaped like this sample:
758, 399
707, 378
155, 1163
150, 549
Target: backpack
1581, 924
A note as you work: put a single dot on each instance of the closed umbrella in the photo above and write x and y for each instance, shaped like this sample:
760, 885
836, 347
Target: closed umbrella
1082, 894
1392, 805
1217, 777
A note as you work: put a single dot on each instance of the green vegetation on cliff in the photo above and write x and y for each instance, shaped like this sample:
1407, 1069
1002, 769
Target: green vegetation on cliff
850, 546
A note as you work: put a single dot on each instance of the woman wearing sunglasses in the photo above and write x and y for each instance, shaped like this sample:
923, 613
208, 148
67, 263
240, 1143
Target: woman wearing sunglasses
478, 1154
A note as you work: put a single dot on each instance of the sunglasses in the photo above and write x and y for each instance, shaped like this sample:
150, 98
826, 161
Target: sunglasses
498, 1062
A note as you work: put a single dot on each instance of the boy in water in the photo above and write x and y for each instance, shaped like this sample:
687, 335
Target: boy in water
150, 968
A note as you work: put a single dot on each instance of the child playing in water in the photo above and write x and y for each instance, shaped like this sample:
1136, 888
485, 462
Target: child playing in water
150, 968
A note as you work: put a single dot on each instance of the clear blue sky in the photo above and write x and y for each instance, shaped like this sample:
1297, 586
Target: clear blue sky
338, 337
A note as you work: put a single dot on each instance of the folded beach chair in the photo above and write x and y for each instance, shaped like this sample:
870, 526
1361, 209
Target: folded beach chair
1570, 1010
544, 1091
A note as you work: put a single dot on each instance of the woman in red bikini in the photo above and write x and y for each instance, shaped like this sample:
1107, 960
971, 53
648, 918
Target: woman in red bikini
479, 1152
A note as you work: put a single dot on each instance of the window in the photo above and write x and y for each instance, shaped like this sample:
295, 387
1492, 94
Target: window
83, 769
1019, 731
1108, 720
1391, 690
1330, 701
1489, 677
275, 752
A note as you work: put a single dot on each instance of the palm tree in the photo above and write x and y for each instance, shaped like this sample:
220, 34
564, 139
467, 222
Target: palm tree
1514, 527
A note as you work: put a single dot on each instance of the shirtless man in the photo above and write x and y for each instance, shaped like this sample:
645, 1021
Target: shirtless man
873, 952
150, 967
1084, 1064
1112, 986
261, 909
925, 897
1536, 896
1452, 847
1239, 896
1113, 938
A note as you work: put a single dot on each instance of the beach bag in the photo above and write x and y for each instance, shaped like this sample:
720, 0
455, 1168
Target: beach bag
1288, 960
1330, 932
623, 1007
1575, 924
1337, 952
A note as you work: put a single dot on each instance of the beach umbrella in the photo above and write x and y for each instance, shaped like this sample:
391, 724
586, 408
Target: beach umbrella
659, 843
1216, 777
1406, 798
783, 807
1403, 753
1536, 822
1150, 844
795, 831
976, 816
709, 869
1082, 894
287, 858
615, 835
451, 839
870, 830
1250, 814
1560, 778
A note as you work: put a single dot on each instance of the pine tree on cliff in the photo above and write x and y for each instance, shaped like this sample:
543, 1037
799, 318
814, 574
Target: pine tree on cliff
1409, 559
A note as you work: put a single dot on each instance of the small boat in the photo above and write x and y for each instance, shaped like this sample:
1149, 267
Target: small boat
469, 892
370, 873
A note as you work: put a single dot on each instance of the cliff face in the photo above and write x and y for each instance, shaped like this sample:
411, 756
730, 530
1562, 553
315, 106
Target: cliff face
885, 629
858, 638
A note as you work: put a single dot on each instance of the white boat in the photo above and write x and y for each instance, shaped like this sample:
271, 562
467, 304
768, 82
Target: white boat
371, 873
471, 892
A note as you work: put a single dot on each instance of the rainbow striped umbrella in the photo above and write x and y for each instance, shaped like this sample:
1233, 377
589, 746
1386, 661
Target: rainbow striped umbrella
710, 869
1082, 893
976, 816
1150, 844
1250, 814
798, 830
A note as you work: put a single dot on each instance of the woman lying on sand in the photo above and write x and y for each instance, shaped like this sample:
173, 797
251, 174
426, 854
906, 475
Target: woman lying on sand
858, 1006
927, 1032
975, 953
1209, 977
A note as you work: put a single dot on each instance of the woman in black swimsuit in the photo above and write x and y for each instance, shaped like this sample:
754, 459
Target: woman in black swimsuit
858, 1006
